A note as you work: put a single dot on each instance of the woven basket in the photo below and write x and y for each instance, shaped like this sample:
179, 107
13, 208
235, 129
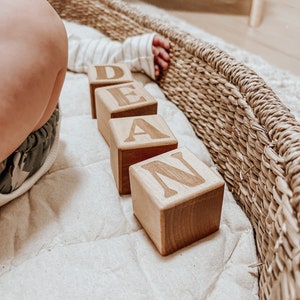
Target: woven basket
252, 137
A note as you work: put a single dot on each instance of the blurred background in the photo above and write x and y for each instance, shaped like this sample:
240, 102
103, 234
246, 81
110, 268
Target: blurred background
276, 39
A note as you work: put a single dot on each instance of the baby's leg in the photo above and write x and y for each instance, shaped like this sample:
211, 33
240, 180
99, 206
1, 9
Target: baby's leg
33, 62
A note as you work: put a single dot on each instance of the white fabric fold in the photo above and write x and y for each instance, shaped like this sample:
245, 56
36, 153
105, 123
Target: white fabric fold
72, 236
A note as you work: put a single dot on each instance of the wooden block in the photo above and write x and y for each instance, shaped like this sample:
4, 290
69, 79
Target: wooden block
176, 198
103, 75
125, 100
134, 139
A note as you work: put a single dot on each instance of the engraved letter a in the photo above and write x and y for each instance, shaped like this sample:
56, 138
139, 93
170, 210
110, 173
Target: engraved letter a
147, 129
158, 167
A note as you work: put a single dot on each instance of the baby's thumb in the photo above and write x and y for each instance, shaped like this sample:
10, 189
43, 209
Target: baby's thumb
155, 51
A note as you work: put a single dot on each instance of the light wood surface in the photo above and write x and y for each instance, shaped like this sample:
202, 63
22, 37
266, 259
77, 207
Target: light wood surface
256, 13
176, 198
122, 100
134, 139
277, 39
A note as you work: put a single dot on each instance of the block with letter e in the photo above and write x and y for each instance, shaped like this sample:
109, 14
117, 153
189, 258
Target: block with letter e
134, 139
103, 75
124, 100
176, 198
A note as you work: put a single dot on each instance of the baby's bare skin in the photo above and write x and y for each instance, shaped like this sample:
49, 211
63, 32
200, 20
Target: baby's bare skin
33, 60
161, 47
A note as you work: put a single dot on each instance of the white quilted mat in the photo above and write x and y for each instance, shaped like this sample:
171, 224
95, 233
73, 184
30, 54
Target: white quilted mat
73, 237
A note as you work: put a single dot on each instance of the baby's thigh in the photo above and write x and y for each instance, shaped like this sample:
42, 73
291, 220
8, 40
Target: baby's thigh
33, 61
33, 53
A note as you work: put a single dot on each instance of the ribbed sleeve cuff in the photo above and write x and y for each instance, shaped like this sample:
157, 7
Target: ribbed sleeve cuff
139, 54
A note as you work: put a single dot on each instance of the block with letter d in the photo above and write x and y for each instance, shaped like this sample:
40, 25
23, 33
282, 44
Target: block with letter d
122, 100
176, 198
134, 139
103, 75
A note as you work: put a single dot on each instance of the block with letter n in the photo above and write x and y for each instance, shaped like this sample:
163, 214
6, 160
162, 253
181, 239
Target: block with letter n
104, 75
122, 100
176, 198
134, 139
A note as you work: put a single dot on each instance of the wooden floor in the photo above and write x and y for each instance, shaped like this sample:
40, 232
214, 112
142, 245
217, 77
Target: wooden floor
277, 39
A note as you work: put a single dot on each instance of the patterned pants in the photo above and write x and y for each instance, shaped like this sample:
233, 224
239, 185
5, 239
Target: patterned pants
29, 157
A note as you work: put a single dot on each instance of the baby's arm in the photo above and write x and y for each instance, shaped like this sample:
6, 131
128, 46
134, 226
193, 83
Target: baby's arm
147, 53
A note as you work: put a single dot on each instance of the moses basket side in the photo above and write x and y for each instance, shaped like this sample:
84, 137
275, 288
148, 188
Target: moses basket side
252, 137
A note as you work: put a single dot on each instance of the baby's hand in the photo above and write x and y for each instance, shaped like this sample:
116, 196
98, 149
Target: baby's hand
161, 47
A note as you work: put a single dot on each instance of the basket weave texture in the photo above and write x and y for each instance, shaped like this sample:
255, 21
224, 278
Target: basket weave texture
252, 137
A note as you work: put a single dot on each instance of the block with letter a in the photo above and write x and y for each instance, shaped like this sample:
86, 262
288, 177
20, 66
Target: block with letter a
176, 198
124, 100
103, 75
134, 139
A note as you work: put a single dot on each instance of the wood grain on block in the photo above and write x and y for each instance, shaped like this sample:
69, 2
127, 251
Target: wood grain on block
103, 75
134, 139
124, 100
176, 198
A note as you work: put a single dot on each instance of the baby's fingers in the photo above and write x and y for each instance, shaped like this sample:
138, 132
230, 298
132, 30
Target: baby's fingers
160, 41
161, 62
161, 52
156, 70
164, 54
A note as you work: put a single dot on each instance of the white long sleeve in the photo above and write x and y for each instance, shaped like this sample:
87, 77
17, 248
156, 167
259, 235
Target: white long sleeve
135, 51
